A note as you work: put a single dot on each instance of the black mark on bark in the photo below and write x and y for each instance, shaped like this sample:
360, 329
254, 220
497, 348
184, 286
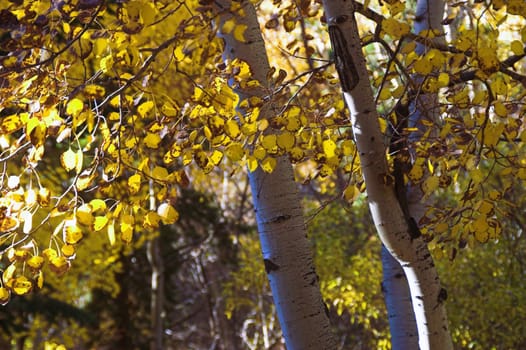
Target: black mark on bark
343, 59
270, 266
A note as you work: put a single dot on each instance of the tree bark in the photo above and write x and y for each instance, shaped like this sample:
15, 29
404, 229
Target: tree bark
397, 234
286, 250
155, 258
402, 323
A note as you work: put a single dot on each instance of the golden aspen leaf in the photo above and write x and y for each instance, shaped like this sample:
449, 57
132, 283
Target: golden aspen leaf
500, 109
268, 164
216, 157
69, 160
485, 207
423, 66
441, 228
111, 232
416, 173
351, 193
235, 152
151, 220
8, 224
74, 107
5, 295
68, 250
169, 110
145, 108
269, 142
95, 91
160, 173
106, 63
84, 181
167, 213
49, 254
259, 153
252, 163
59, 265
134, 183
348, 148
99, 223
152, 140
97, 204
494, 195
10, 124
126, 225
296, 154
9, 272
72, 232
517, 47
286, 140
40, 279
232, 129
395, 29
22, 285
35, 262
430, 184
329, 148
443, 79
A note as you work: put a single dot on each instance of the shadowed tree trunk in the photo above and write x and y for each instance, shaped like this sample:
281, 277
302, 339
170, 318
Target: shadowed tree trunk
397, 232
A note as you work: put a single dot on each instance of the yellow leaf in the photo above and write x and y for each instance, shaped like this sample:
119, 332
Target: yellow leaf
106, 63
160, 173
49, 254
40, 279
151, 220
269, 164
73, 233
228, 26
74, 107
269, 142
351, 193
10, 124
329, 148
430, 184
167, 213
5, 295
145, 108
216, 157
394, 28
68, 250
126, 225
235, 152
93, 90
59, 265
99, 223
134, 183
35, 262
97, 204
152, 140
252, 163
84, 181
9, 272
286, 140
8, 224
232, 129
71, 160
22, 285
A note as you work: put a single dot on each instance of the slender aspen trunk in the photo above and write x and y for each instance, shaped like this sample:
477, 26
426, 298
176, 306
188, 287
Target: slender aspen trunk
402, 323
155, 258
286, 250
399, 237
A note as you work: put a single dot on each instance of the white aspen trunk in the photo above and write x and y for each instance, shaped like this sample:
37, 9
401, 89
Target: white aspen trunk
397, 296
404, 244
154, 254
286, 250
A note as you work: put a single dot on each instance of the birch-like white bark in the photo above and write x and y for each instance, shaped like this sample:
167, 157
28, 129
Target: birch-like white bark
397, 296
286, 250
393, 228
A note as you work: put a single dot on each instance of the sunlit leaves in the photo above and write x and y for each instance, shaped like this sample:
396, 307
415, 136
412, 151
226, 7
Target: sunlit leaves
72, 160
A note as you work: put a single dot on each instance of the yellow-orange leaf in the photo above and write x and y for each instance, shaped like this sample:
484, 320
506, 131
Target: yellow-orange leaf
134, 183
99, 223
74, 107
5, 295
22, 285
167, 213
